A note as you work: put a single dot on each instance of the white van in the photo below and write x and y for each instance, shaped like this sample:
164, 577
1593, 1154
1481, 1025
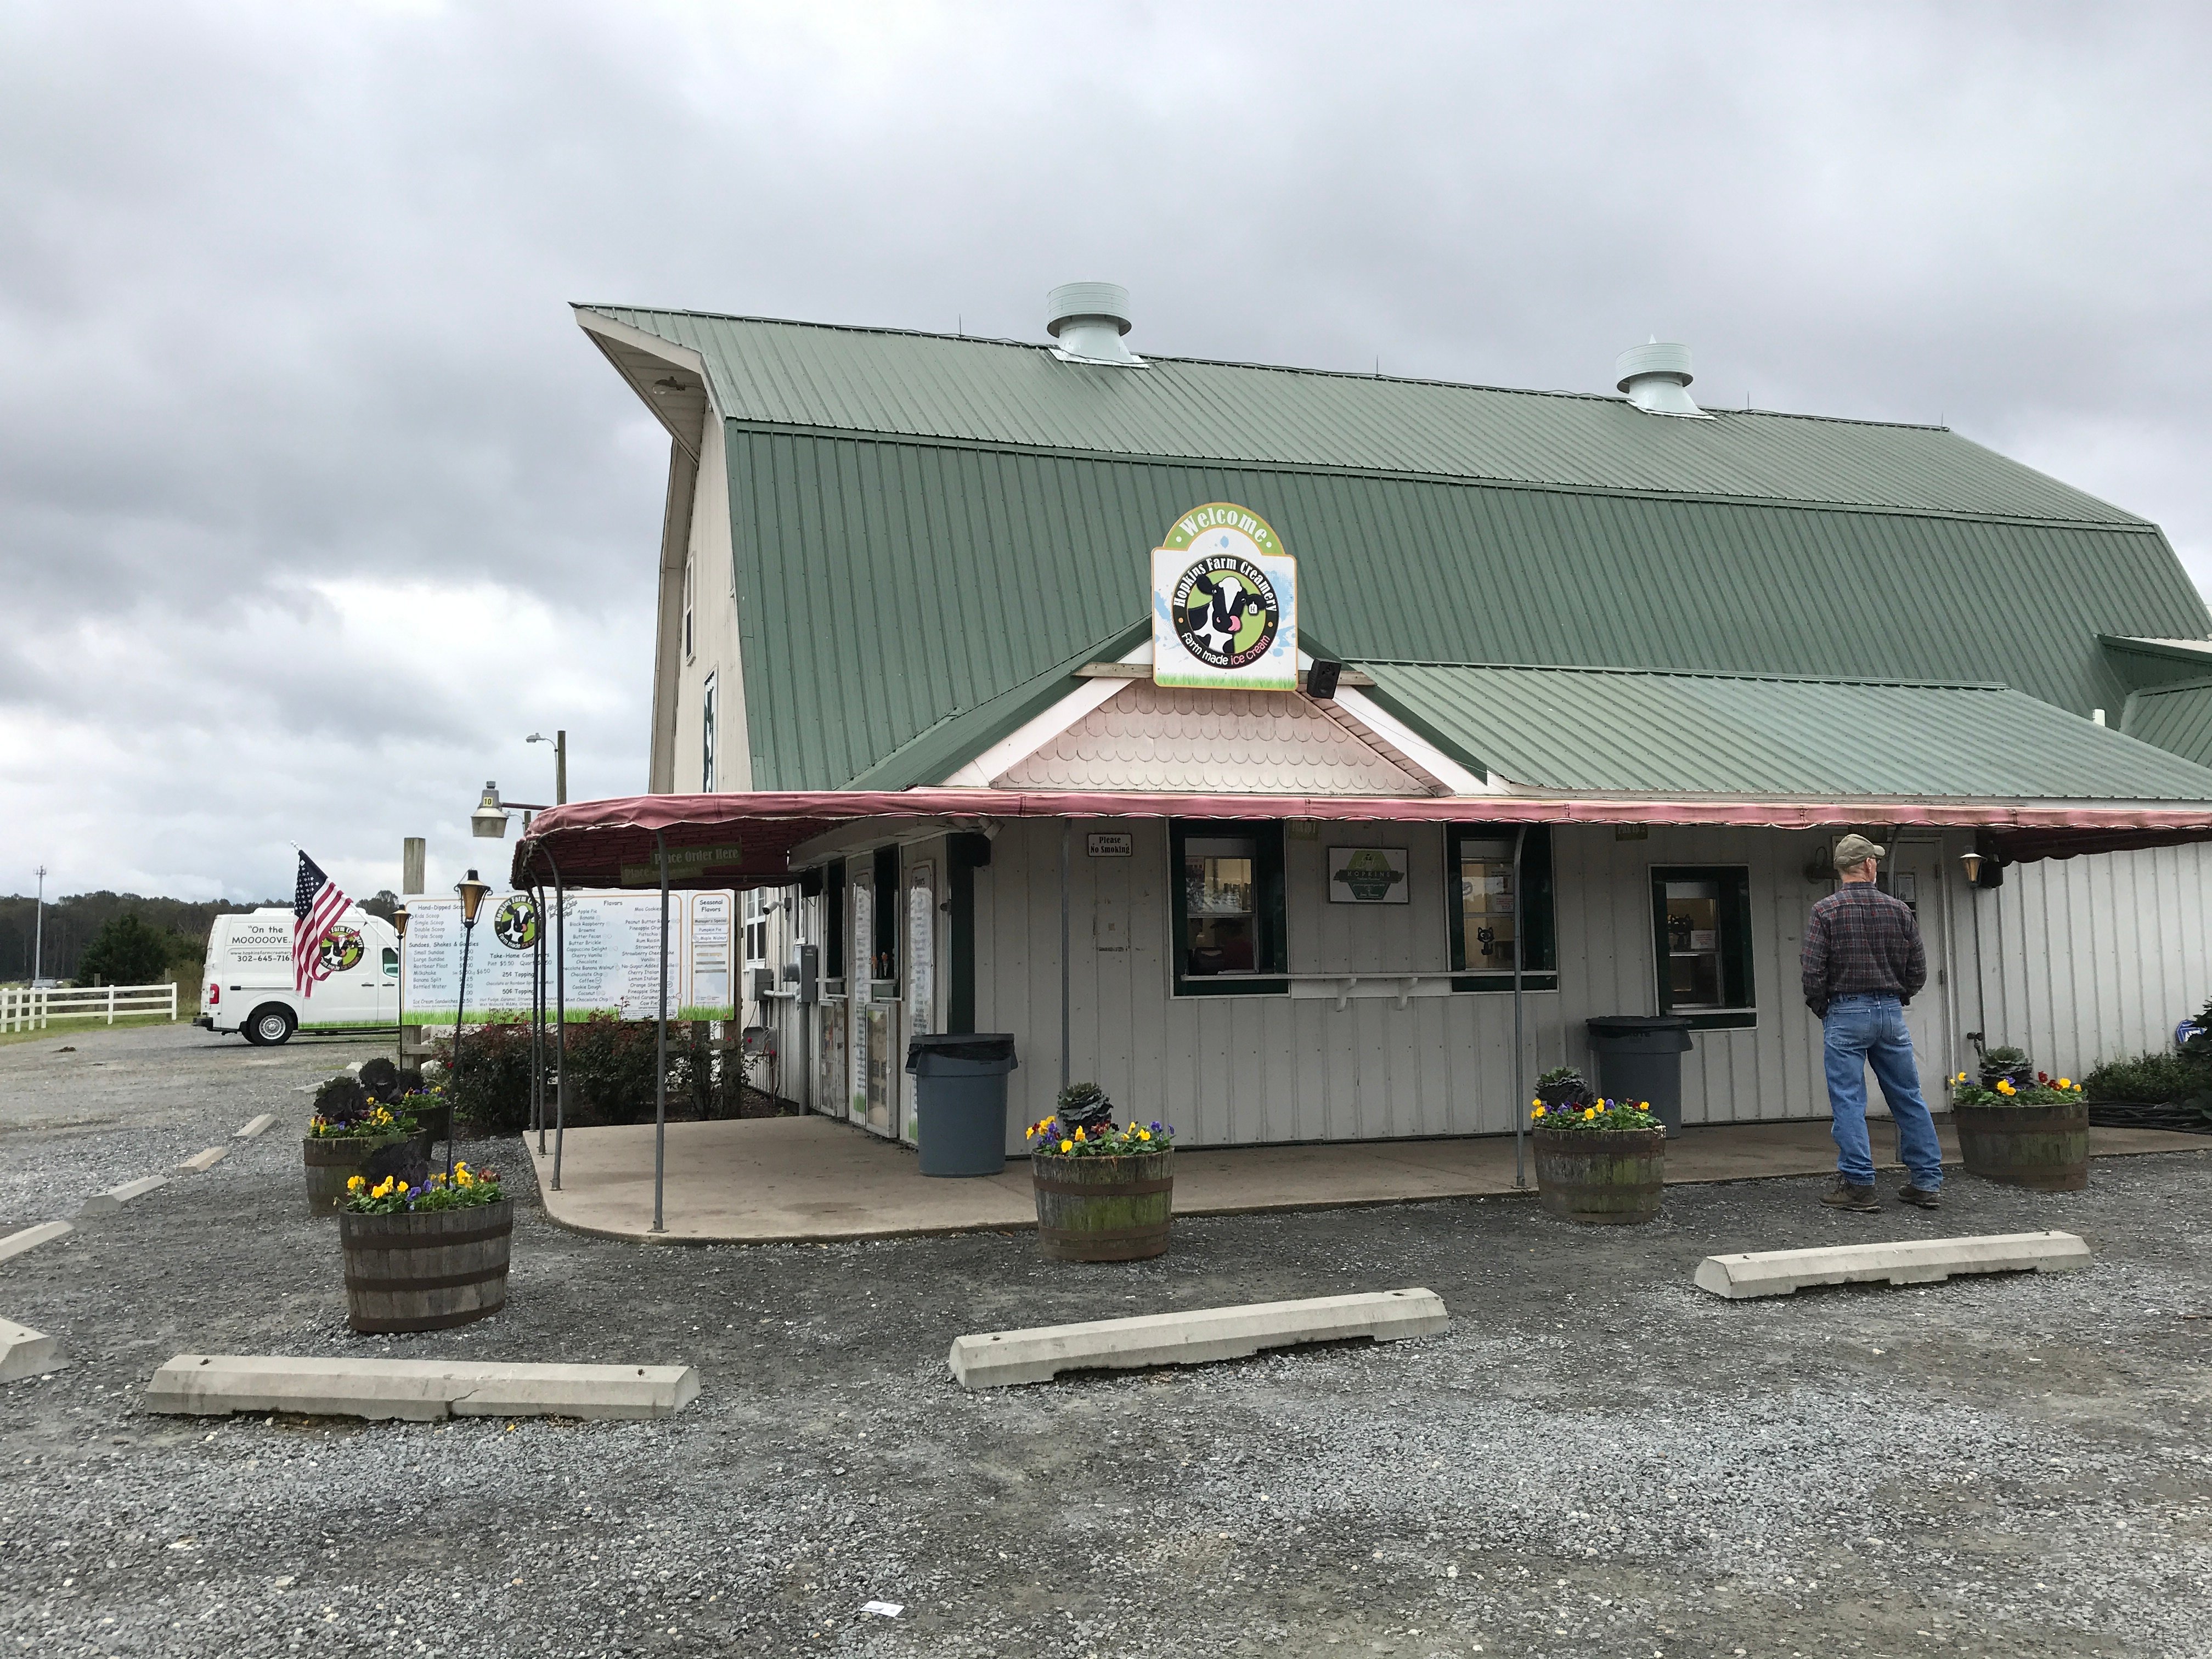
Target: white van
247, 985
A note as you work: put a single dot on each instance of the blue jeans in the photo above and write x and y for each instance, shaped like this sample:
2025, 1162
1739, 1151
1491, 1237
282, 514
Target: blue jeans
1860, 1032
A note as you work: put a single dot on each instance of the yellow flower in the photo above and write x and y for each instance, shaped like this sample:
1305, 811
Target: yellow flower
2065, 1083
356, 1184
1643, 1105
1589, 1112
403, 1186
1143, 1134
1067, 1145
1078, 1134
1538, 1102
1539, 1112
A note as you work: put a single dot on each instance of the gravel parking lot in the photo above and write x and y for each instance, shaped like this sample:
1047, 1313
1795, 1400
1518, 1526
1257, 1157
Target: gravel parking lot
1595, 1459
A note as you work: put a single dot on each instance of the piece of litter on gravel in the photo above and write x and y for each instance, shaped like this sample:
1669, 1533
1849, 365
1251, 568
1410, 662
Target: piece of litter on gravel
884, 1610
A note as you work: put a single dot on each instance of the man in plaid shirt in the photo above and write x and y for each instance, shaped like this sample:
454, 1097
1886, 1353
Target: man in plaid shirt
1862, 962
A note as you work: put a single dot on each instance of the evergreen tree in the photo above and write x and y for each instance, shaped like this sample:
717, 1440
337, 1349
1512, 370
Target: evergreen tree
128, 952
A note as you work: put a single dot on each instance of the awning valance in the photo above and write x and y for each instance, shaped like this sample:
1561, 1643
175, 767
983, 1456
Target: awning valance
745, 839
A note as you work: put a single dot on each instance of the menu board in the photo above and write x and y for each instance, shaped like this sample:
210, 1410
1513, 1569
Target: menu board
608, 948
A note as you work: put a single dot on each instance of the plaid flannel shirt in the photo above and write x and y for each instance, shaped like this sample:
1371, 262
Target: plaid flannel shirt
1860, 941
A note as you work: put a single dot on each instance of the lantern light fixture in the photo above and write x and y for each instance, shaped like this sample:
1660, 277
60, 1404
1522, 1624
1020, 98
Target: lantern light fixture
472, 893
1972, 861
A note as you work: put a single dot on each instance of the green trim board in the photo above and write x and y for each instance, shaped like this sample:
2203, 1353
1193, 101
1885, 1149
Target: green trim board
1613, 730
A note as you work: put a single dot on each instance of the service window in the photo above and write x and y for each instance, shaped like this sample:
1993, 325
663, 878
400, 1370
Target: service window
1701, 941
1479, 898
1229, 909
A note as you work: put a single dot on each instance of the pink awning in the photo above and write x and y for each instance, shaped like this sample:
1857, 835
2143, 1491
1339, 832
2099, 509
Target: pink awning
745, 839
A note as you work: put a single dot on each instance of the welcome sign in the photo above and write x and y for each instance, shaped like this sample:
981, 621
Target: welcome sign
1225, 603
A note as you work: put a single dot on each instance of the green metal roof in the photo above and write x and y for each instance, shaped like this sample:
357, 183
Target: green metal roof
2143, 663
1001, 393
1627, 731
889, 589
2177, 716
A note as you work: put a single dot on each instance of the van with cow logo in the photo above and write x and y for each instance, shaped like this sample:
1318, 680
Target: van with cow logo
247, 985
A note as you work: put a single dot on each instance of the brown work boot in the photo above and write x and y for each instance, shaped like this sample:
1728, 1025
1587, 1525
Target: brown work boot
1913, 1193
1845, 1196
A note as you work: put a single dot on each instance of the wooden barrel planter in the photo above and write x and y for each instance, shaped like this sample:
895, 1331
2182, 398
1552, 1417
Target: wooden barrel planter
333, 1160
2045, 1148
1103, 1209
1607, 1177
425, 1270
436, 1122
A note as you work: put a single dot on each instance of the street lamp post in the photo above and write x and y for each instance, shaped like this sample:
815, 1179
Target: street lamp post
472, 893
560, 742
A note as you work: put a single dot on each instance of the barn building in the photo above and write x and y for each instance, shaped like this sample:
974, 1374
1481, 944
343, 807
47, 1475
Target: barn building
1561, 700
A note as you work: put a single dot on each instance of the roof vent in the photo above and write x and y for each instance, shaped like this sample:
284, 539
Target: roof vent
1088, 320
1656, 375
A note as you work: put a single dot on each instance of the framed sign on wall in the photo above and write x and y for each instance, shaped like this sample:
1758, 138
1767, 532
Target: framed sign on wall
1367, 875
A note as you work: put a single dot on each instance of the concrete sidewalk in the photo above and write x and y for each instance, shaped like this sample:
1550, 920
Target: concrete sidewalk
791, 1180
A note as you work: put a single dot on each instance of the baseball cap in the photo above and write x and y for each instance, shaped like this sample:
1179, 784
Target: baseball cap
1856, 849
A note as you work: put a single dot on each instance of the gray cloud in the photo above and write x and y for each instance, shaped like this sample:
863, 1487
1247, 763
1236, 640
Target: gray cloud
313, 500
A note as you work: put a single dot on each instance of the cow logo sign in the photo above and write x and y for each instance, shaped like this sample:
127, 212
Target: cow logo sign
514, 924
338, 949
1224, 603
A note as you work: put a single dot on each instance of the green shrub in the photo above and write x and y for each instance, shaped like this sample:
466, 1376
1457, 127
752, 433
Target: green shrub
2150, 1078
491, 1091
127, 950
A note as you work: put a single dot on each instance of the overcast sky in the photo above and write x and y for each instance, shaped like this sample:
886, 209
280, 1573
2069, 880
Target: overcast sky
314, 503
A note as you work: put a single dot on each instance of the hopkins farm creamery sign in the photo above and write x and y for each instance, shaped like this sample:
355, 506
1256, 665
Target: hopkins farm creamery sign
1224, 603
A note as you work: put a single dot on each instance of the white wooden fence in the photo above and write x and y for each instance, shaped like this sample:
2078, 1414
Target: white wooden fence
29, 1008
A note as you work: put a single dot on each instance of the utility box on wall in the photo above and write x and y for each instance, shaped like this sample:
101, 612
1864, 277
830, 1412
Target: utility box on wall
804, 975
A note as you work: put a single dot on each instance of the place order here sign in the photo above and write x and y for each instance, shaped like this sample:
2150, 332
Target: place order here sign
608, 947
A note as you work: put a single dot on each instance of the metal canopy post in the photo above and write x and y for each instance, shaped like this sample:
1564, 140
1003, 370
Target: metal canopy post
661, 1059
1520, 1089
1067, 834
538, 1020
560, 1014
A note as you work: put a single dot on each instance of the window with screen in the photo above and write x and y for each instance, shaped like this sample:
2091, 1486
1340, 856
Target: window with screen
1701, 942
1229, 909
1480, 900
689, 588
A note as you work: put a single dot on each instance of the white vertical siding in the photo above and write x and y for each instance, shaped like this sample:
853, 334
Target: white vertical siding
2082, 959
2090, 959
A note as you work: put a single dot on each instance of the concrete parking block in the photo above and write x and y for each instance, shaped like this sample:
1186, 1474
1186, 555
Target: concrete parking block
115, 1198
207, 1160
993, 1359
26, 1352
417, 1390
266, 1120
1908, 1261
31, 1237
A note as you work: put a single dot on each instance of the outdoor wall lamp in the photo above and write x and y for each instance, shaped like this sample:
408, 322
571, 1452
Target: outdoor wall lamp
1972, 861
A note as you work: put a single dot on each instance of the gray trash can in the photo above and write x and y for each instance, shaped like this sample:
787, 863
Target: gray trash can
960, 1082
1639, 1057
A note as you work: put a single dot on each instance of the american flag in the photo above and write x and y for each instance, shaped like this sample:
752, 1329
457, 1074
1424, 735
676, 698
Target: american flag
317, 903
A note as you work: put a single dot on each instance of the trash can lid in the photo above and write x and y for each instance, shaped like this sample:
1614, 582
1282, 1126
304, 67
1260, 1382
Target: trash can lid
1634, 1024
982, 1047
